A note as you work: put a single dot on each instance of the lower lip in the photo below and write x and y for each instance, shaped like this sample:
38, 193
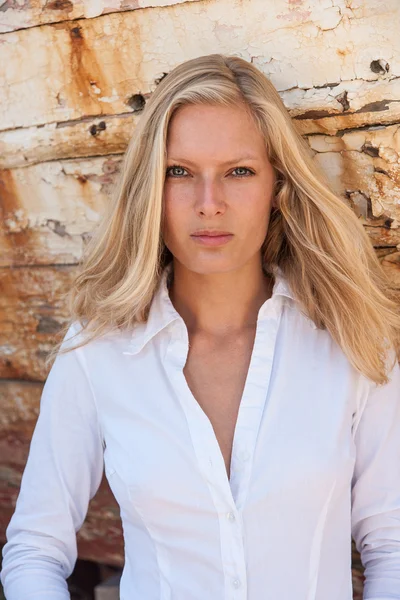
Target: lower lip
212, 240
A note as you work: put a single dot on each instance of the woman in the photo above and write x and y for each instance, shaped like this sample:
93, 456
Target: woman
235, 363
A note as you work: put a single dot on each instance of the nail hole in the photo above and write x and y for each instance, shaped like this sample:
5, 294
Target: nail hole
379, 66
136, 102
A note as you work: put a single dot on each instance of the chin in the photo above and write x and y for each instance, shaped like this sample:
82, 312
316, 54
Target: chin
210, 267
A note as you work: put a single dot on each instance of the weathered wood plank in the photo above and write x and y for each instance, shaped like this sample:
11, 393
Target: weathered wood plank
19, 401
68, 73
110, 134
86, 137
51, 208
383, 236
391, 264
32, 310
20, 15
364, 166
363, 103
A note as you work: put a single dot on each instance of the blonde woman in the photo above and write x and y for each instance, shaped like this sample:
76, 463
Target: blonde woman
232, 355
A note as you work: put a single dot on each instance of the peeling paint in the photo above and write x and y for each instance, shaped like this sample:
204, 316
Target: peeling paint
364, 162
68, 56
25, 14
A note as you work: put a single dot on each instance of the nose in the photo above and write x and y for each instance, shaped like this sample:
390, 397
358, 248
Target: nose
209, 198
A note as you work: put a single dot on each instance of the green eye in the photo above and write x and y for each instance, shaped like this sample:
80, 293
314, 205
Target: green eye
243, 169
171, 172
173, 167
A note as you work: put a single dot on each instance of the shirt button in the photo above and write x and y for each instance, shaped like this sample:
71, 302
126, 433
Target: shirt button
230, 516
236, 583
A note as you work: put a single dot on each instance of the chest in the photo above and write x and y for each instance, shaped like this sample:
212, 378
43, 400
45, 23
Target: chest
169, 416
216, 372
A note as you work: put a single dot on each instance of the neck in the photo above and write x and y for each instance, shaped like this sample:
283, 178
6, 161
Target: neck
220, 303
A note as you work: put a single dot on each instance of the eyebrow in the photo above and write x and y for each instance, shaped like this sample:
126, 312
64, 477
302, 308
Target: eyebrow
228, 162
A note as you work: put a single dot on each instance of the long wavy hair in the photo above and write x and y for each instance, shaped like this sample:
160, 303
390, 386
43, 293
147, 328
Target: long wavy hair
313, 236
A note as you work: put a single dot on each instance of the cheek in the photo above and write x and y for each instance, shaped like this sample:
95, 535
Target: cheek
257, 215
175, 213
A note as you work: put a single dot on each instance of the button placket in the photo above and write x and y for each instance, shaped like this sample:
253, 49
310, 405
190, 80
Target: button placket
233, 553
254, 400
228, 496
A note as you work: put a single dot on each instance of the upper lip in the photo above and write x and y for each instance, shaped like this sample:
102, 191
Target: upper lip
211, 232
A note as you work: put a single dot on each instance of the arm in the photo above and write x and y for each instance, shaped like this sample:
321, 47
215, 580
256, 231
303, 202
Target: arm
62, 473
376, 490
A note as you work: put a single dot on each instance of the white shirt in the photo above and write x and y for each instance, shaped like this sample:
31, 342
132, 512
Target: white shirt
316, 458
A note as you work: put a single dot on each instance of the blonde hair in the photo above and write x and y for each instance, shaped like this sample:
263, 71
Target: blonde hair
313, 235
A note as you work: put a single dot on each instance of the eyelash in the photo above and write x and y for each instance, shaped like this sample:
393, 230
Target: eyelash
181, 176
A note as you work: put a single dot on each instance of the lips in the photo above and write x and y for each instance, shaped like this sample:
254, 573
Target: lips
212, 238
210, 233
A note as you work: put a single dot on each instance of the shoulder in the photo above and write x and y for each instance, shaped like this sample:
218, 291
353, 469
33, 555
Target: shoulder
105, 341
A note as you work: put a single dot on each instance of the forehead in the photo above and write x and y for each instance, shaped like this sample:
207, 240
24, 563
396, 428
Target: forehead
213, 131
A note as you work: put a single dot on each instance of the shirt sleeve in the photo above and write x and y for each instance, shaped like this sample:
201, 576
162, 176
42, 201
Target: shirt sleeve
376, 490
62, 473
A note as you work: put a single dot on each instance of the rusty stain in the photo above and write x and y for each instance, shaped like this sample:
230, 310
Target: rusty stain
82, 179
15, 241
66, 5
392, 174
85, 69
37, 12
343, 52
8, 194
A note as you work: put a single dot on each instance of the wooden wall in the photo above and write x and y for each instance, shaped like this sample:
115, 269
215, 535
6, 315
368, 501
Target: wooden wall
74, 76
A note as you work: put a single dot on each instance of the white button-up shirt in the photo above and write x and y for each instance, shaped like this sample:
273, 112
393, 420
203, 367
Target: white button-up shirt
316, 459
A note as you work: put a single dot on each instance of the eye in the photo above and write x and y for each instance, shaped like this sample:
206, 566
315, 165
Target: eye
172, 172
249, 171
169, 170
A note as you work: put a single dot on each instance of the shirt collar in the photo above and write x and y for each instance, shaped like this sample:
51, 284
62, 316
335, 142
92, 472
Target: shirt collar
162, 312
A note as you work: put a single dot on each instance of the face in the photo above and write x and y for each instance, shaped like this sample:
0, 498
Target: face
218, 179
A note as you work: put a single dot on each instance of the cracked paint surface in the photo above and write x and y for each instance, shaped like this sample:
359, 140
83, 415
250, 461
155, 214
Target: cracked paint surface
69, 62
50, 209
23, 14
